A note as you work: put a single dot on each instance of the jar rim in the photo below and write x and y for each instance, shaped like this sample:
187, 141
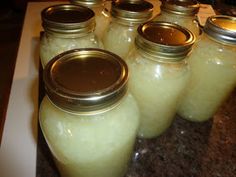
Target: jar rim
165, 40
132, 10
181, 7
84, 80
221, 28
68, 19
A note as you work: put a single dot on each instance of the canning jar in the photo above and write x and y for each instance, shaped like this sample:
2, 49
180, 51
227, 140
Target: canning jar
88, 118
66, 27
182, 13
213, 65
126, 16
102, 14
159, 73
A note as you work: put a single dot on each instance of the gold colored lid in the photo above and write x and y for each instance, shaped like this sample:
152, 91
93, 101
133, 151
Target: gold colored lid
164, 40
85, 80
68, 19
181, 7
132, 10
222, 28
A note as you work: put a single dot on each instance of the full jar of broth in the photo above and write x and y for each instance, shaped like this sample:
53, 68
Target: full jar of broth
159, 73
213, 65
181, 12
101, 10
126, 16
66, 27
88, 118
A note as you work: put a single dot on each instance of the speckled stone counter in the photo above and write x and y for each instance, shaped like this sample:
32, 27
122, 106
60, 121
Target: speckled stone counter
186, 149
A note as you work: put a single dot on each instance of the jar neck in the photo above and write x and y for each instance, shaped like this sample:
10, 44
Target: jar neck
125, 22
206, 36
186, 16
68, 35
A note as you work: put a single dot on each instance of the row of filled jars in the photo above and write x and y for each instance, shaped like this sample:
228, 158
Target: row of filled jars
98, 101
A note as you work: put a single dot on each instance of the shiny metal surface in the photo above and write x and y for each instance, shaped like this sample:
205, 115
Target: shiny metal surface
221, 28
85, 79
165, 40
68, 18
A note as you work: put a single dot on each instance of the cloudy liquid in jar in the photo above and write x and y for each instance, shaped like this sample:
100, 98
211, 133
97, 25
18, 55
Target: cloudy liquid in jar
157, 89
50, 46
89, 118
159, 73
213, 68
182, 13
91, 146
126, 17
120, 39
66, 27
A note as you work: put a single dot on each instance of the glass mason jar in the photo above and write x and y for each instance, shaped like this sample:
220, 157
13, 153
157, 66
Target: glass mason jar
126, 16
159, 73
88, 118
66, 27
182, 13
213, 65
102, 15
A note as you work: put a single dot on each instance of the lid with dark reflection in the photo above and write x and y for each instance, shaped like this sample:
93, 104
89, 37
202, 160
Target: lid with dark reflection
221, 28
84, 80
68, 19
164, 40
181, 7
132, 11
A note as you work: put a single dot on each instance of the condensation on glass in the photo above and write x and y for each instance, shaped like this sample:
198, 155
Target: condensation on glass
213, 65
126, 16
88, 118
102, 15
159, 73
181, 12
66, 27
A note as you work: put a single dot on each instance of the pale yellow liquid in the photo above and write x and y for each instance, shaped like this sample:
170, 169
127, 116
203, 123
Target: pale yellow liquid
50, 46
119, 39
157, 88
91, 146
102, 18
213, 67
184, 21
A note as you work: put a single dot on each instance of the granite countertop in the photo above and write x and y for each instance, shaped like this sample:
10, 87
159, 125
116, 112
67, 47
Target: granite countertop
186, 149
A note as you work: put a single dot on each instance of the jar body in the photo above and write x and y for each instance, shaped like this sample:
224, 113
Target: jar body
102, 18
213, 78
52, 45
98, 145
188, 22
119, 38
157, 87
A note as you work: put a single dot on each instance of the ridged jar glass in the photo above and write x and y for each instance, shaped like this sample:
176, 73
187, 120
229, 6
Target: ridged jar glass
213, 65
66, 27
126, 16
182, 13
159, 73
102, 14
88, 118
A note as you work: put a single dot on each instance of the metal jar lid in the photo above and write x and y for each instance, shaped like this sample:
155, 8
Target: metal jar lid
132, 11
86, 80
164, 40
221, 28
68, 19
181, 7
87, 3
